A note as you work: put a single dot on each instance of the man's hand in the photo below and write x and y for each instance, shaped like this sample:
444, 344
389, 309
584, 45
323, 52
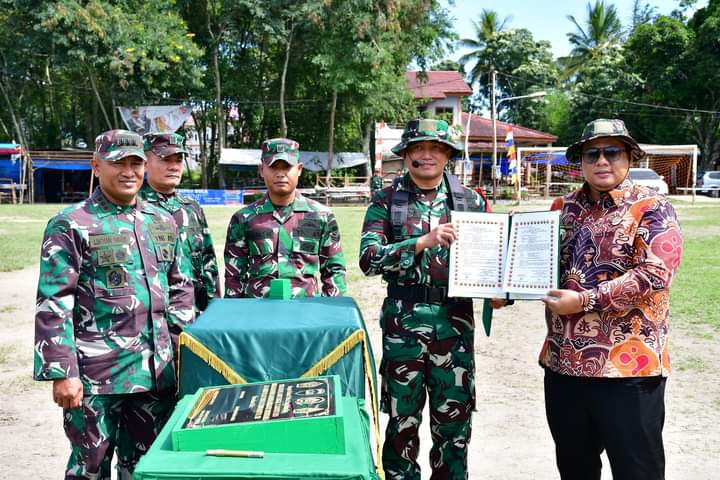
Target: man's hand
68, 392
497, 303
444, 234
564, 302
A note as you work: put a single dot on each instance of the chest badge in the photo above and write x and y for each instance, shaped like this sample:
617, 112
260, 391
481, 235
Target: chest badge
116, 278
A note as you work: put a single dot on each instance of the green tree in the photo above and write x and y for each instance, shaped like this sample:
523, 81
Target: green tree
680, 67
642, 13
136, 46
600, 86
555, 116
486, 28
524, 66
601, 34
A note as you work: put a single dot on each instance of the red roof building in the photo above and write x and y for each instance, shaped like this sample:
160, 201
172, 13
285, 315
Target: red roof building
481, 129
440, 92
437, 85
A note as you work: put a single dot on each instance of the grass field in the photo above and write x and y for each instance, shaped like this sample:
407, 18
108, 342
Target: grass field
695, 292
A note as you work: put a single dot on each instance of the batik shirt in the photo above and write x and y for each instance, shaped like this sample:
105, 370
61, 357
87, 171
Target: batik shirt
295, 242
624, 251
195, 240
113, 288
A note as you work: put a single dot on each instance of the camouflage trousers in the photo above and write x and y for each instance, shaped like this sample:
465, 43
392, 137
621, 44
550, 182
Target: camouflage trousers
104, 423
423, 356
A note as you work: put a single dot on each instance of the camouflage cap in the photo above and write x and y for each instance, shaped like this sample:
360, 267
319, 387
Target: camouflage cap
280, 149
115, 145
164, 144
603, 127
426, 130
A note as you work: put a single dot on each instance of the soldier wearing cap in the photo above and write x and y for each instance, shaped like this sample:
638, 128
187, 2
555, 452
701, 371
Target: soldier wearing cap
283, 235
113, 290
376, 181
427, 337
165, 164
606, 352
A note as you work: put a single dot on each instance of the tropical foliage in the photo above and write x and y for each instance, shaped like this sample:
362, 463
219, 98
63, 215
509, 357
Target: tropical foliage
323, 71
660, 74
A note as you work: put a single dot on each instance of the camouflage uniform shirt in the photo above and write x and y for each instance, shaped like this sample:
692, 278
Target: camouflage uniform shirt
376, 183
293, 242
427, 348
113, 288
195, 240
394, 258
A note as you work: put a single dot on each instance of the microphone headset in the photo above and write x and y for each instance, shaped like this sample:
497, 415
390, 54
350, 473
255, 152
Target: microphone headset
415, 164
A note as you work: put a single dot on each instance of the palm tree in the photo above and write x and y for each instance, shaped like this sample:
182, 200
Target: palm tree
488, 26
602, 31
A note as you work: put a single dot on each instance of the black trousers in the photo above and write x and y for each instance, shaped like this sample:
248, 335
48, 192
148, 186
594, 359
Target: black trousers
623, 416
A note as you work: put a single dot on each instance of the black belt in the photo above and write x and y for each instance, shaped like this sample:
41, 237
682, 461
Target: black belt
418, 294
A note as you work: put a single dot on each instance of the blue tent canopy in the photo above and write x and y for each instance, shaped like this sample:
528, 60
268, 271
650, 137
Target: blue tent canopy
10, 169
60, 165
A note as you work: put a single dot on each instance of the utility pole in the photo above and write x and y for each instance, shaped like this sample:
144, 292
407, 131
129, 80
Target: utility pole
493, 115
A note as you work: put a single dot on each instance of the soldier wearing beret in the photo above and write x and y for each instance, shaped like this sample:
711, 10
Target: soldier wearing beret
283, 235
112, 292
165, 164
427, 337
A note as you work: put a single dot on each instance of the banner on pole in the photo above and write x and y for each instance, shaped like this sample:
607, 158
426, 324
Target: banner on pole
142, 120
513, 169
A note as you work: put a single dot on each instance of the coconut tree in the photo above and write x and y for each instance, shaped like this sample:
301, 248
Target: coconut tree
489, 25
602, 31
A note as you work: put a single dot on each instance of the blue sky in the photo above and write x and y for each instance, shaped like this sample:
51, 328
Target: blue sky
545, 19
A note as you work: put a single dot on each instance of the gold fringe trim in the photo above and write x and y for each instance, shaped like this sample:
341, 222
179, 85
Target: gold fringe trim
358, 336
215, 362
336, 354
374, 406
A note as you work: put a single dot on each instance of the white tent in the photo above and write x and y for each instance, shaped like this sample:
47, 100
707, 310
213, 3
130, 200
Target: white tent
313, 161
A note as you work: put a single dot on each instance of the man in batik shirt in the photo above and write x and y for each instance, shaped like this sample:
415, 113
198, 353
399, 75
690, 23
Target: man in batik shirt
113, 292
283, 235
606, 352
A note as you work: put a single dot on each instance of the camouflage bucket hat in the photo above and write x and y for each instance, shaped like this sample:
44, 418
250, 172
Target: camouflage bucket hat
604, 128
164, 144
426, 130
280, 149
115, 145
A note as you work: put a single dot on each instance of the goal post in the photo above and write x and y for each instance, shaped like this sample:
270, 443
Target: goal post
546, 171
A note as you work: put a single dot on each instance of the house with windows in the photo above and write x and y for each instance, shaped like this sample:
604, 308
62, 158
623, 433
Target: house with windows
440, 94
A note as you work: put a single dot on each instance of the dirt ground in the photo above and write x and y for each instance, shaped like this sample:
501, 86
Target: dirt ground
510, 437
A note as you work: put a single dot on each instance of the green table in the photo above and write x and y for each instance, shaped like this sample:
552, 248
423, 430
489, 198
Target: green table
254, 340
162, 462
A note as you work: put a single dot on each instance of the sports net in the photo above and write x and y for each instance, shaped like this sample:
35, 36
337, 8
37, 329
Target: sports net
546, 171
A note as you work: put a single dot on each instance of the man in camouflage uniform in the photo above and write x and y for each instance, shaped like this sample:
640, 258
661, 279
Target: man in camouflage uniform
376, 182
283, 235
165, 154
113, 290
427, 337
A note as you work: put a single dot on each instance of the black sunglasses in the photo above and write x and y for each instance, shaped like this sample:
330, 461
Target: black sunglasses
611, 154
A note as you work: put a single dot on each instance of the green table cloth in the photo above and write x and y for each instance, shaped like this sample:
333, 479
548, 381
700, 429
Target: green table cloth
162, 462
253, 340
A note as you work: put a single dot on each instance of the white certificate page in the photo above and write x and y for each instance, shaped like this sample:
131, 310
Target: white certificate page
478, 254
532, 260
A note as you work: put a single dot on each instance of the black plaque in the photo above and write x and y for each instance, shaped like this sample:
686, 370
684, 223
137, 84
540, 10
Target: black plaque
314, 397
